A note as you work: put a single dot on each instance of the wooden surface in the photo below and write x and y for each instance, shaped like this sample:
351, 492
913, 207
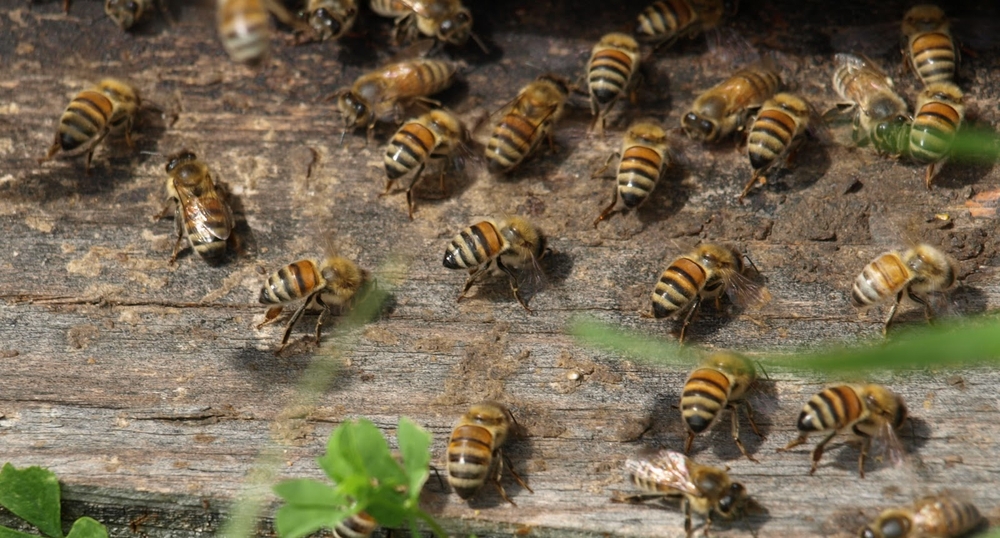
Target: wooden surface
146, 388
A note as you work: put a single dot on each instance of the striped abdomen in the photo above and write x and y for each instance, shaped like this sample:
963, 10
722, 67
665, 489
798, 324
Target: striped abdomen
639, 170
360, 525
944, 516
834, 408
705, 393
245, 30
84, 122
470, 458
474, 246
293, 281
610, 73
678, 286
417, 78
932, 56
390, 8
776, 126
408, 149
933, 131
664, 20
879, 280
513, 139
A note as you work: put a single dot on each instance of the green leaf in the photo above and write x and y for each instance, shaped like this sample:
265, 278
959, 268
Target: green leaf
358, 448
86, 527
414, 447
6, 532
32, 494
306, 492
293, 521
388, 509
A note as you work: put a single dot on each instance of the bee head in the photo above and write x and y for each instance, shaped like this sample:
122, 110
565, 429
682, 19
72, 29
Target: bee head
355, 109
699, 128
176, 159
732, 501
456, 29
892, 525
327, 25
124, 13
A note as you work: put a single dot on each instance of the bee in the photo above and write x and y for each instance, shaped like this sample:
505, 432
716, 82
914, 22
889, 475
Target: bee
644, 156
474, 450
892, 137
126, 13
360, 525
666, 21
871, 411
914, 273
377, 95
506, 243
111, 106
201, 213
934, 516
704, 489
940, 110
725, 107
447, 21
330, 19
704, 273
437, 134
611, 72
333, 282
870, 91
245, 28
720, 381
526, 121
774, 133
929, 48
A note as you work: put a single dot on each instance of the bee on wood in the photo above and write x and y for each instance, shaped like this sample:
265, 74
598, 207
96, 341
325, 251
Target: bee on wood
704, 273
869, 93
720, 381
447, 21
109, 107
475, 450
201, 213
437, 134
125, 13
644, 156
506, 243
245, 28
939, 516
611, 73
940, 110
526, 121
379, 94
775, 132
871, 412
703, 489
333, 282
665, 21
330, 19
928, 46
725, 107
913, 274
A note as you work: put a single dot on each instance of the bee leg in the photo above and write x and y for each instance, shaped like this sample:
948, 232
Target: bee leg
473, 277
271, 315
932, 170
53, 149
513, 285
409, 190
86, 165
817, 452
128, 135
892, 313
688, 317
320, 319
688, 442
750, 184
65, 6
687, 517
865, 445
497, 472
928, 312
179, 226
520, 481
753, 424
291, 323
736, 433
607, 210
796, 442
167, 209
708, 523
284, 16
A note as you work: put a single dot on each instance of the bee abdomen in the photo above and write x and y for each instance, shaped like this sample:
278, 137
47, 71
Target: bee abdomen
85, 117
435, 75
677, 287
408, 148
705, 394
610, 71
879, 280
664, 18
771, 132
245, 29
291, 282
957, 518
831, 409
637, 174
933, 132
360, 525
470, 456
511, 142
934, 57
473, 246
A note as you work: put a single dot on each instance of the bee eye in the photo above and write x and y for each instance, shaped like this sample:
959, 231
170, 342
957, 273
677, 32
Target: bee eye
132, 6
462, 18
867, 533
446, 26
894, 528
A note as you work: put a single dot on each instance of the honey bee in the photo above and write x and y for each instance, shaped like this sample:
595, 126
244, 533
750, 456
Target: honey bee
929, 48
704, 489
720, 381
245, 28
871, 411
644, 156
526, 121
940, 110
378, 95
870, 91
474, 450
448, 21
109, 107
892, 137
333, 282
506, 243
665, 21
360, 525
704, 273
938, 516
437, 134
725, 107
126, 13
201, 213
330, 19
774, 133
914, 273
611, 73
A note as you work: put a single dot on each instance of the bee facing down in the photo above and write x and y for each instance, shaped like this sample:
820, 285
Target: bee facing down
125, 13
245, 28
201, 212
720, 381
611, 73
928, 46
644, 156
475, 450
940, 110
939, 516
447, 21
665, 21
775, 133
526, 121
330, 19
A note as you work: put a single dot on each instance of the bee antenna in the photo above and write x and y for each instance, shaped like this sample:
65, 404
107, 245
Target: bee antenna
150, 153
479, 42
342, 135
747, 258
761, 366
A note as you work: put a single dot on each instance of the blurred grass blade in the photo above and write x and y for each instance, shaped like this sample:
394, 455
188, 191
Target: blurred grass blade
590, 332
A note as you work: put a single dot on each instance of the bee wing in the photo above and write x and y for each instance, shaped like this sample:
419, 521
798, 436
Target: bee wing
668, 469
886, 444
204, 209
745, 292
431, 10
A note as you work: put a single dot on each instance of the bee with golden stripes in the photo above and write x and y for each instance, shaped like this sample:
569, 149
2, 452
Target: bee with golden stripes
871, 412
526, 121
125, 13
506, 243
437, 134
929, 48
868, 93
201, 212
940, 111
360, 525
330, 19
447, 21
725, 107
704, 273
665, 21
720, 381
109, 107
644, 156
703, 489
611, 73
936, 516
333, 282
913, 274
475, 450
245, 28
775, 133
380, 94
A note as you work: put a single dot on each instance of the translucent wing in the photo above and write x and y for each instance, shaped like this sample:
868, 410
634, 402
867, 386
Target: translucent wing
431, 9
886, 445
209, 212
668, 472
745, 292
